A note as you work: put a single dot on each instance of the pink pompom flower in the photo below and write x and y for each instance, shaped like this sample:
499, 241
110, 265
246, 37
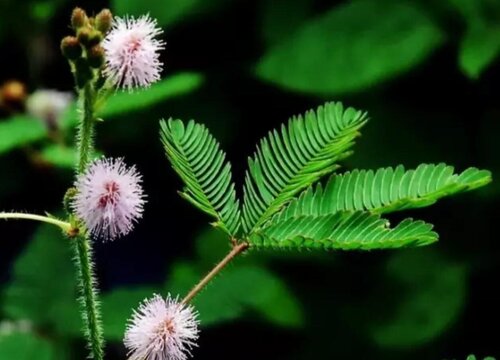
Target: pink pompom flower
109, 198
132, 52
162, 329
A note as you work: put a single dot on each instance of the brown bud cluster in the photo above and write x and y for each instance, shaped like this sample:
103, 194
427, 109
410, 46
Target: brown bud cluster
84, 49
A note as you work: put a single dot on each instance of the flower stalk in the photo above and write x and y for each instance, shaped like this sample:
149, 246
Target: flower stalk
86, 128
88, 284
88, 299
235, 251
65, 226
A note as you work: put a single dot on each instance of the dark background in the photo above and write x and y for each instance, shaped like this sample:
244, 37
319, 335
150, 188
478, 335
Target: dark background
430, 113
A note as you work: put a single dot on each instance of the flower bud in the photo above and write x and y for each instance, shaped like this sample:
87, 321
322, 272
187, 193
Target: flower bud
83, 35
89, 37
12, 95
70, 47
103, 21
78, 18
95, 56
95, 38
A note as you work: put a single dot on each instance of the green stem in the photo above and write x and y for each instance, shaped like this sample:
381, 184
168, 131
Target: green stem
65, 226
88, 298
86, 129
88, 285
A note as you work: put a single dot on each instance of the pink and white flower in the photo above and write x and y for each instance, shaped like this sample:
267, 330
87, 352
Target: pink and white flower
162, 329
109, 198
132, 52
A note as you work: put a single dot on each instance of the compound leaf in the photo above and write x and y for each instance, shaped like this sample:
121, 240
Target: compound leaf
290, 160
197, 158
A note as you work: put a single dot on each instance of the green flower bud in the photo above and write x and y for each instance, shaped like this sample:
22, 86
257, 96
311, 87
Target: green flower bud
89, 37
83, 35
78, 18
95, 38
95, 56
70, 47
103, 21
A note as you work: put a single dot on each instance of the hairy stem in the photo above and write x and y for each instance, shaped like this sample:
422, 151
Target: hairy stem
88, 285
88, 298
235, 251
86, 129
65, 226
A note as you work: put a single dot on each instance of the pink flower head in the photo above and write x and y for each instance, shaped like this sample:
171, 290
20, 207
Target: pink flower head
109, 198
131, 47
162, 329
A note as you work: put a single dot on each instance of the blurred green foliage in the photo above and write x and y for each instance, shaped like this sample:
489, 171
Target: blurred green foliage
22, 130
351, 47
173, 86
25, 346
43, 281
479, 48
18, 131
480, 44
433, 295
166, 13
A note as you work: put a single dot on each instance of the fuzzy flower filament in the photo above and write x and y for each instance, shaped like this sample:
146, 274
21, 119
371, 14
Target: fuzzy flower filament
162, 329
109, 198
132, 52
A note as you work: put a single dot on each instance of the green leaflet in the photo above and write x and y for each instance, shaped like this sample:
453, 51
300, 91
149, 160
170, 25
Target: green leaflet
342, 230
197, 158
386, 190
289, 160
